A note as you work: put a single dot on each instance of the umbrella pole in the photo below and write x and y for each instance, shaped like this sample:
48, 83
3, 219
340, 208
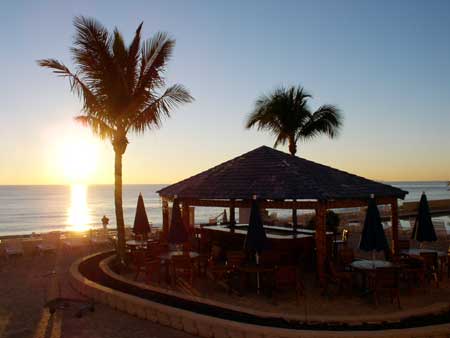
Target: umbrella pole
373, 259
257, 274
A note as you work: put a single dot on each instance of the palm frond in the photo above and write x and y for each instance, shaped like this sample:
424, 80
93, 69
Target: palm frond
286, 115
76, 84
98, 127
119, 84
156, 52
119, 50
156, 109
94, 56
133, 59
325, 120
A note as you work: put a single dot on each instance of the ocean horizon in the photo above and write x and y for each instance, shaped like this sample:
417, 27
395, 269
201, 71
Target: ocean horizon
25, 209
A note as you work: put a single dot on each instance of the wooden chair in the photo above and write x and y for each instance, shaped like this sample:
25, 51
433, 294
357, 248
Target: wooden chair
187, 246
346, 256
337, 275
385, 279
448, 262
153, 269
216, 264
181, 266
232, 278
412, 271
288, 277
235, 259
139, 260
403, 244
431, 262
270, 259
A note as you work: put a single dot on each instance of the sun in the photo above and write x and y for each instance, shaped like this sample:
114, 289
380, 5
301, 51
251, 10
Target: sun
78, 156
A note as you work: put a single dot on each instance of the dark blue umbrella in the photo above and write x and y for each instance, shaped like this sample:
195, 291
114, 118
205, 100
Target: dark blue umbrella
141, 225
256, 240
423, 227
373, 237
177, 233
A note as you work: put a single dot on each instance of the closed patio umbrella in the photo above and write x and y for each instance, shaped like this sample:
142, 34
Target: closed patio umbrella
177, 233
373, 237
141, 225
256, 240
423, 227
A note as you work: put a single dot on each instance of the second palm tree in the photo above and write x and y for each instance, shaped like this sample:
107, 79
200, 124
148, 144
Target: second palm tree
285, 113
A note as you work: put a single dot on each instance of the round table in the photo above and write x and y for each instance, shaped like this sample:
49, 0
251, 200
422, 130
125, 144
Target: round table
367, 268
367, 264
417, 252
136, 243
168, 255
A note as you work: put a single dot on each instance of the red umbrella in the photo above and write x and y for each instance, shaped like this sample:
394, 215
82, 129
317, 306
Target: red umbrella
141, 225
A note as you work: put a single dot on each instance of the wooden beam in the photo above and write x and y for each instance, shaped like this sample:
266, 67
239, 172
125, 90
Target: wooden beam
358, 203
247, 204
302, 205
394, 211
321, 242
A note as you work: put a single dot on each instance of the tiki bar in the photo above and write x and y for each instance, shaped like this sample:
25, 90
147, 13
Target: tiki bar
277, 181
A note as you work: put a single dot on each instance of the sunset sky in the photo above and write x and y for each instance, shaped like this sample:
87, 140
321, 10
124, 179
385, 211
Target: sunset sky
386, 65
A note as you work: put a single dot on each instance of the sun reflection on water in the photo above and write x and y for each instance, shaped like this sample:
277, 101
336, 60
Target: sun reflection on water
79, 218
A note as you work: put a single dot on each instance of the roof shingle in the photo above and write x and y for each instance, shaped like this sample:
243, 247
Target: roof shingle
272, 174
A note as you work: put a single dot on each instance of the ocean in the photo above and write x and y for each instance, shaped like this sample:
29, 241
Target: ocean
39, 208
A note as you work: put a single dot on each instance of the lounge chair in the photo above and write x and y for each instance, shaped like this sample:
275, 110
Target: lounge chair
13, 247
99, 237
73, 243
50, 242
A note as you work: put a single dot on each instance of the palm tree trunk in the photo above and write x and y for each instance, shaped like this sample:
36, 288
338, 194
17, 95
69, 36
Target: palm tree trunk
292, 146
119, 207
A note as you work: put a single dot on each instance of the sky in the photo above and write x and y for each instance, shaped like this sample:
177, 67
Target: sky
385, 64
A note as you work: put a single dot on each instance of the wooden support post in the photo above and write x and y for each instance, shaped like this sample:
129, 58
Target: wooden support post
321, 242
165, 219
294, 219
185, 216
232, 215
394, 211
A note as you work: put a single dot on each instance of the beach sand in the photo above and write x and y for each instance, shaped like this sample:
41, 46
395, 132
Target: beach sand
22, 292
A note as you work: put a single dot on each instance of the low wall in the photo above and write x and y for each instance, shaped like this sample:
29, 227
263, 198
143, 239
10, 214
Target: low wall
208, 326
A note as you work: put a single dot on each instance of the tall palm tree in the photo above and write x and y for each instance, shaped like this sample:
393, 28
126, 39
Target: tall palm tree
122, 90
285, 114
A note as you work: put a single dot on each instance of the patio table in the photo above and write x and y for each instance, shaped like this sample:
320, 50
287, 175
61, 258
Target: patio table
369, 265
442, 256
417, 252
167, 256
136, 243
